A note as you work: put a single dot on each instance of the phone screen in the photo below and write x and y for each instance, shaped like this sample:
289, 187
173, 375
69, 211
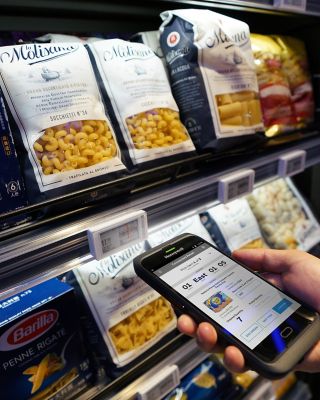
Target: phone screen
237, 299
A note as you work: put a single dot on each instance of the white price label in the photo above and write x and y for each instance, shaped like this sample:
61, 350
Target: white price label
235, 185
296, 5
117, 233
292, 163
160, 385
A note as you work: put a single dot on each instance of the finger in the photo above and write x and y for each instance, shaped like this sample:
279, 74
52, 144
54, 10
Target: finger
311, 361
234, 360
275, 279
187, 325
266, 259
207, 338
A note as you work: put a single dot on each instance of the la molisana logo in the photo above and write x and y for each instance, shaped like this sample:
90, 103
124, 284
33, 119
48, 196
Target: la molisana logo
173, 39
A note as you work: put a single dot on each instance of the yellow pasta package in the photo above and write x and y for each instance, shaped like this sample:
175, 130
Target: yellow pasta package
138, 87
126, 316
41, 349
60, 123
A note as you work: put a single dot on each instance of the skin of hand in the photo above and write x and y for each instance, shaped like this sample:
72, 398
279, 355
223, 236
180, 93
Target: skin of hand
293, 271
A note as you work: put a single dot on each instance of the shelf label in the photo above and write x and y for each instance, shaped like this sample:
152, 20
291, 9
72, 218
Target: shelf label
235, 185
295, 5
160, 384
292, 163
117, 233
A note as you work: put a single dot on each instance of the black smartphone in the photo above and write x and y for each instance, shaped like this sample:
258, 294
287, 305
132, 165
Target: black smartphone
272, 329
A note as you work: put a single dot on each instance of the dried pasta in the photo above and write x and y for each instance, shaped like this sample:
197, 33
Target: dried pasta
241, 108
47, 366
141, 326
159, 127
74, 145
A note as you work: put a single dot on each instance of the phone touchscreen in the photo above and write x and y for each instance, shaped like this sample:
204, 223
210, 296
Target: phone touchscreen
238, 300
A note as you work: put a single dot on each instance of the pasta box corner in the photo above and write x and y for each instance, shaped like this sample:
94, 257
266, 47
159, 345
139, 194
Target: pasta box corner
40, 344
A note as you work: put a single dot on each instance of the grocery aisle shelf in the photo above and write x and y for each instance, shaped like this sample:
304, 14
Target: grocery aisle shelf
55, 247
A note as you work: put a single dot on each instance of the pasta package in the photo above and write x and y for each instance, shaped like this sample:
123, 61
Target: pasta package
126, 317
12, 189
64, 135
209, 380
147, 114
295, 68
212, 75
233, 226
41, 349
174, 228
284, 217
275, 94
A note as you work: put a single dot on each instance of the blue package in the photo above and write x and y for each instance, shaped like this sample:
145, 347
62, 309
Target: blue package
12, 190
41, 353
207, 381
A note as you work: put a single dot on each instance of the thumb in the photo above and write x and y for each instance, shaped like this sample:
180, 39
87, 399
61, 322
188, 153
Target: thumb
266, 260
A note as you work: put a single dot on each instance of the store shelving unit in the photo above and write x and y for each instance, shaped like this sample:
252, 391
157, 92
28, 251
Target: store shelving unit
53, 244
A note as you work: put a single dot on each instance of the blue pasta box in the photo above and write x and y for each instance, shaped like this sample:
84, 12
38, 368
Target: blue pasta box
41, 354
12, 190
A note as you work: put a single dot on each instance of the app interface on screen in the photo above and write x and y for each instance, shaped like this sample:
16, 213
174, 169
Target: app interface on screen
235, 298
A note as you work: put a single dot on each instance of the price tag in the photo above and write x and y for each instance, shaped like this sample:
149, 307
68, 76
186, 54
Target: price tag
160, 384
117, 233
235, 185
292, 163
295, 5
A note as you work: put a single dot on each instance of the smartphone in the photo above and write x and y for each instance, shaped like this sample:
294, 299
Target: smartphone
272, 329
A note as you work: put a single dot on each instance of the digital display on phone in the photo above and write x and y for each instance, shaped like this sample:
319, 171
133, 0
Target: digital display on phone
237, 299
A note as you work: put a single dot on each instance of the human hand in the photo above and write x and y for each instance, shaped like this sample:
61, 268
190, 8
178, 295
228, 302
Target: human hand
293, 271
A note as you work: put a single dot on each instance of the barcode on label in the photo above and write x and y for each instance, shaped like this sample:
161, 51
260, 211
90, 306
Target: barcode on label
125, 233
117, 233
160, 385
235, 185
292, 163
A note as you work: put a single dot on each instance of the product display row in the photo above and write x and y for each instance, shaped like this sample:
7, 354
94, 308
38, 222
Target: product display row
77, 112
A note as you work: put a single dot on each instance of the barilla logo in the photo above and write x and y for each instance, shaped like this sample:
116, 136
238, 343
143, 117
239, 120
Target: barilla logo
28, 330
35, 53
128, 52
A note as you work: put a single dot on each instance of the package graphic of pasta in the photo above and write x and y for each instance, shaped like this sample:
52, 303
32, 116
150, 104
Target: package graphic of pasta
233, 226
275, 94
284, 217
212, 74
129, 316
41, 350
61, 125
138, 87
295, 67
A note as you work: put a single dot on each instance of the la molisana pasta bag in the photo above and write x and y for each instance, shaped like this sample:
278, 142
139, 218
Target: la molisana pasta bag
129, 316
212, 75
63, 132
138, 87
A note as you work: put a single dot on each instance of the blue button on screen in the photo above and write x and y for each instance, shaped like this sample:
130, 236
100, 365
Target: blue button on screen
282, 306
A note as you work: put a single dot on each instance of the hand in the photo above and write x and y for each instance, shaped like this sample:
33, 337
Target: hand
293, 271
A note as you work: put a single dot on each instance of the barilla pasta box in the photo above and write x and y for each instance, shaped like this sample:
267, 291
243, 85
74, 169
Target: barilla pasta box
40, 345
12, 192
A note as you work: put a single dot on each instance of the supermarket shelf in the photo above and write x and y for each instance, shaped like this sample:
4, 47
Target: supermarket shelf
124, 16
55, 247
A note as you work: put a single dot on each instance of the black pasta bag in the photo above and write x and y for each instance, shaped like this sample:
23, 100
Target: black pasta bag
213, 79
